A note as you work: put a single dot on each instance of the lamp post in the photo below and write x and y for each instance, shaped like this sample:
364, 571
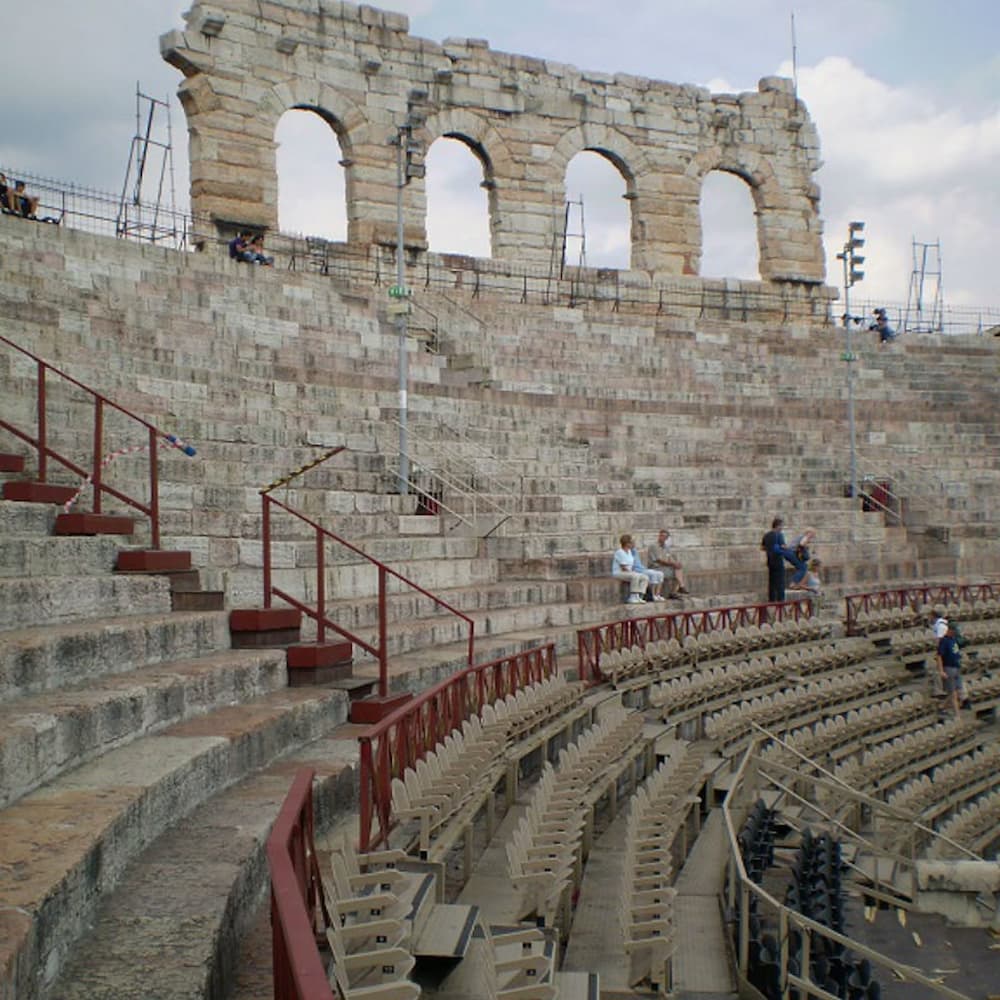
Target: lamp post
406, 170
399, 293
852, 275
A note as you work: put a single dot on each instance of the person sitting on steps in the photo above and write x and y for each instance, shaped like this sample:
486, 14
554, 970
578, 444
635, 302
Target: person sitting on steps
661, 557
623, 568
654, 576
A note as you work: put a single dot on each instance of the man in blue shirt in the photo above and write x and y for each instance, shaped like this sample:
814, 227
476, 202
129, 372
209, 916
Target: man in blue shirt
949, 661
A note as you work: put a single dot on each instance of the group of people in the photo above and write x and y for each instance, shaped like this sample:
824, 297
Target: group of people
249, 248
779, 552
646, 582
15, 199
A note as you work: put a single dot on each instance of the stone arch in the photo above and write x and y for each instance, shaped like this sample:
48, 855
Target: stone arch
488, 146
769, 199
627, 158
345, 118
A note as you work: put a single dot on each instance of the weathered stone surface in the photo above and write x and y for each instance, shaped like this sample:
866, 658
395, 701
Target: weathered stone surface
360, 69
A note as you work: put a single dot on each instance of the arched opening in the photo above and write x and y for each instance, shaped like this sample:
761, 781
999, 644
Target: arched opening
312, 196
729, 246
458, 202
597, 221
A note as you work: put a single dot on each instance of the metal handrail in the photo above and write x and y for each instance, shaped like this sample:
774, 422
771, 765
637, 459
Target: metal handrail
406, 735
916, 598
94, 476
788, 919
627, 632
456, 473
318, 612
297, 898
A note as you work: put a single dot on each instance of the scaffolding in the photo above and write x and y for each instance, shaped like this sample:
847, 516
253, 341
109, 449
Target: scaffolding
149, 177
925, 301
573, 209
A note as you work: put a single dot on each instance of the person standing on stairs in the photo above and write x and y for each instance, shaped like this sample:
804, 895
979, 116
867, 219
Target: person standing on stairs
623, 568
773, 544
949, 662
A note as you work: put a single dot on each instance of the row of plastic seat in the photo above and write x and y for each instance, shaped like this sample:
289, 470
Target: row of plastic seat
908, 751
974, 826
916, 640
368, 938
877, 620
854, 728
532, 707
458, 773
734, 721
948, 781
680, 694
662, 654
544, 853
515, 963
646, 904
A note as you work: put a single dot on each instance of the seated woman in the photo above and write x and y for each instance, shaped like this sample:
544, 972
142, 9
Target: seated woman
811, 581
654, 576
623, 568
798, 556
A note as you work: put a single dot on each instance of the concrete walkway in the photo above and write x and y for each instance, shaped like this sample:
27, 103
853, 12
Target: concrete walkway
701, 962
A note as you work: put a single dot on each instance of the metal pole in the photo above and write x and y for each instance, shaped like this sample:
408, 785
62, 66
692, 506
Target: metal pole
849, 358
404, 460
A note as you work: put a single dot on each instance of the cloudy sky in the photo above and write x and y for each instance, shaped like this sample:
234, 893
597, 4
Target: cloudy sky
905, 93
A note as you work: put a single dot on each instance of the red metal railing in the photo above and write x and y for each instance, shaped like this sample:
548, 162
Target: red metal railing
916, 598
318, 613
99, 459
297, 900
402, 738
591, 642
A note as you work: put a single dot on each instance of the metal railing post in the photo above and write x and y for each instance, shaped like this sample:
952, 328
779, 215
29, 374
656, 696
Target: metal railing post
95, 474
43, 444
320, 589
154, 489
265, 520
383, 664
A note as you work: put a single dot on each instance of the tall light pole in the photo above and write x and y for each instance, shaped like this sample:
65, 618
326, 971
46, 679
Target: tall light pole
406, 170
852, 275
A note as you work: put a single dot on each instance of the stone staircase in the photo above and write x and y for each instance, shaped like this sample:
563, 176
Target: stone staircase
131, 732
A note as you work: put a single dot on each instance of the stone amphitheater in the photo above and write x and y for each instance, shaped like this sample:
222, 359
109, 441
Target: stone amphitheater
214, 594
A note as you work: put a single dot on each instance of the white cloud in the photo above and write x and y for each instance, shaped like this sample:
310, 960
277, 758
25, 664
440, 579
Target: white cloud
910, 170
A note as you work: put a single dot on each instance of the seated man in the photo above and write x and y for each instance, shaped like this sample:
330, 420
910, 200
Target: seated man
239, 248
881, 326
21, 203
257, 250
5, 193
662, 558
623, 568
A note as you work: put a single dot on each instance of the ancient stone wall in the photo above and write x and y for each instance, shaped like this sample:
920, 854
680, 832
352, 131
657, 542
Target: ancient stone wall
247, 62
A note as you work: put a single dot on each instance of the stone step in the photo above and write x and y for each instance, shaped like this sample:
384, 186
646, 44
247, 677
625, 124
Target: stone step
67, 845
54, 556
43, 735
51, 600
198, 906
33, 660
25, 519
